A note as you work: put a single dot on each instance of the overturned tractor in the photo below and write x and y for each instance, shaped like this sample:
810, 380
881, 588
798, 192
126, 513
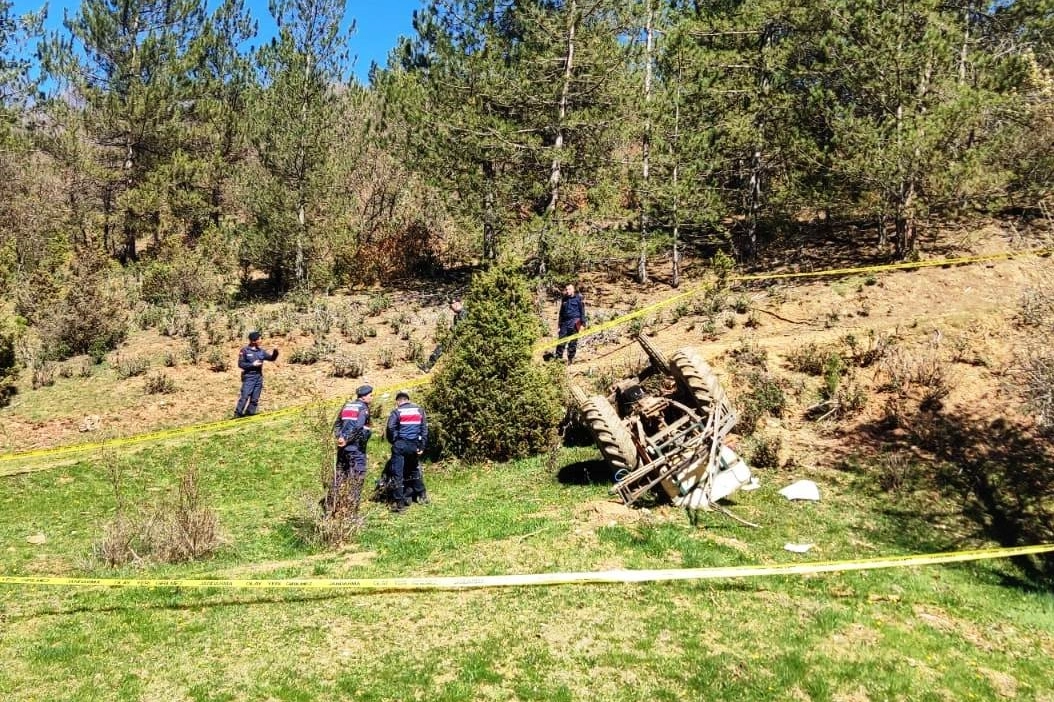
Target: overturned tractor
663, 430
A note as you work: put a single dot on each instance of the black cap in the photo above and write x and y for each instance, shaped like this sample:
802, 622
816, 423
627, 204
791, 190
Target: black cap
402, 395
254, 336
364, 390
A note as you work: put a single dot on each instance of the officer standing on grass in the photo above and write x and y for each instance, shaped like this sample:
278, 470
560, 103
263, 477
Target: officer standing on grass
407, 431
571, 320
352, 431
251, 359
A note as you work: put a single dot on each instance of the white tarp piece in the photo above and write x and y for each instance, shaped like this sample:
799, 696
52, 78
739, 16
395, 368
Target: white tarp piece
754, 484
802, 490
797, 548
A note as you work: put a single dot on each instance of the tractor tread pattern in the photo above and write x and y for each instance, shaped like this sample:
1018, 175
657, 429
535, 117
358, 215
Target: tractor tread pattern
612, 437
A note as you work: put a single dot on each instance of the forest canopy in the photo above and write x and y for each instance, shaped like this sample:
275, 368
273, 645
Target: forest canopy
145, 142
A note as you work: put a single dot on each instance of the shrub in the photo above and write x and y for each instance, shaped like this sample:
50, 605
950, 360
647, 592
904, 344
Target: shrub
10, 331
878, 346
1036, 370
185, 528
765, 398
347, 366
194, 349
809, 359
765, 451
750, 353
218, 360
177, 529
306, 355
43, 374
386, 358
335, 519
896, 471
489, 399
131, 367
159, 384
415, 351
84, 306
378, 304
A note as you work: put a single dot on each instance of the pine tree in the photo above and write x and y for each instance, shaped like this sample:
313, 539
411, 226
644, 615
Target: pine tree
295, 119
122, 80
489, 398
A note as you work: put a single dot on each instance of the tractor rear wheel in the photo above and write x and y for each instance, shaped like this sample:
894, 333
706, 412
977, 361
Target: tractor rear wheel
611, 436
698, 379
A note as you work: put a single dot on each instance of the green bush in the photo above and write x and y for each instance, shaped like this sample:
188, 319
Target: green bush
766, 398
79, 309
131, 367
10, 330
159, 384
489, 399
810, 359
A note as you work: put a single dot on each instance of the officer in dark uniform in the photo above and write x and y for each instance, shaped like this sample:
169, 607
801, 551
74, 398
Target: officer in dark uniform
250, 360
571, 321
352, 431
407, 430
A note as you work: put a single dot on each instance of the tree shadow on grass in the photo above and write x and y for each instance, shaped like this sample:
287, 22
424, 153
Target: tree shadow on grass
997, 476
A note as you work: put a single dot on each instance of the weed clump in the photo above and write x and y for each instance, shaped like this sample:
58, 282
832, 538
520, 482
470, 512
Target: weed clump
765, 451
489, 399
181, 527
765, 398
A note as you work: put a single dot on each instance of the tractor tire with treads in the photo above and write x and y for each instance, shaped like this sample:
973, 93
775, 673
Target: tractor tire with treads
699, 380
611, 436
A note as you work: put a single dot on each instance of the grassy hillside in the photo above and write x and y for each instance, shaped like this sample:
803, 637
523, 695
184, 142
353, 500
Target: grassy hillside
970, 632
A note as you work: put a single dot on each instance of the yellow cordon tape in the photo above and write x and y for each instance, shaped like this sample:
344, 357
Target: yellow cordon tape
532, 580
175, 432
648, 309
544, 345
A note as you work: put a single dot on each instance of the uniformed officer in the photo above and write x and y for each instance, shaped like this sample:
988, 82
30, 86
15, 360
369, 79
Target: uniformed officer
571, 321
352, 431
407, 430
250, 360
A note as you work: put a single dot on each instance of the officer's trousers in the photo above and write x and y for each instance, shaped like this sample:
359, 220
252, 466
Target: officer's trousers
348, 477
252, 386
567, 329
407, 480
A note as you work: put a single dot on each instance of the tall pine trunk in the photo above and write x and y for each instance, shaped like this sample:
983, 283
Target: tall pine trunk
642, 261
555, 174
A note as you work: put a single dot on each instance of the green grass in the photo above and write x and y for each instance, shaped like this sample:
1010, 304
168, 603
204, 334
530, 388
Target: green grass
931, 633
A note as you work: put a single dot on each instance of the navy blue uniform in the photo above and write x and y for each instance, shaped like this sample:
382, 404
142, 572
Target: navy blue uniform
407, 430
572, 318
252, 378
351, 425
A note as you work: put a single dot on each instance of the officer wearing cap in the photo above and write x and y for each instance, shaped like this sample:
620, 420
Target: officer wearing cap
351, 429
251, 359
407, 430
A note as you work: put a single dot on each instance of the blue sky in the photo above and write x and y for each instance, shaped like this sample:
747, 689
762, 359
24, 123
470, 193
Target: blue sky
378, 24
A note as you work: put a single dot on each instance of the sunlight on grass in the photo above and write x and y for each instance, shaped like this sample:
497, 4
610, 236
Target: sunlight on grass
916, 633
